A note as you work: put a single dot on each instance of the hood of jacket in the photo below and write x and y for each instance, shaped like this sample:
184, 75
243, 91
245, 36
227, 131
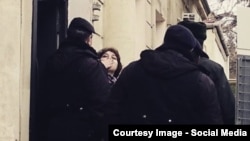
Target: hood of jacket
173, 58
166, 64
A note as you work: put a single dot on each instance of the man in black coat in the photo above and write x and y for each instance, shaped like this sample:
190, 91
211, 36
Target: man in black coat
75, 88
165, 86
215, 72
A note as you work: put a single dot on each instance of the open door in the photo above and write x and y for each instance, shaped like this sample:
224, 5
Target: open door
49, 28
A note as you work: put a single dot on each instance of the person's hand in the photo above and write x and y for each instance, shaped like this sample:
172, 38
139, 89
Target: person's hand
107, 63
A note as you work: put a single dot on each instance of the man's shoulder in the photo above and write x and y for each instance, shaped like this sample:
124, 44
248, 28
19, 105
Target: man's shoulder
207, 63
131, 66
205, 80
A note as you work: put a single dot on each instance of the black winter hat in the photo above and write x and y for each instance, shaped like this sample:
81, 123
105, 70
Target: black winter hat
180, 37
198, 29
81, 24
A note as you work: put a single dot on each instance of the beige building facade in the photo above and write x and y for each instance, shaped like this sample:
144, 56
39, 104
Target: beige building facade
29, 27
15, 62
216, 48
133, 26
243, 31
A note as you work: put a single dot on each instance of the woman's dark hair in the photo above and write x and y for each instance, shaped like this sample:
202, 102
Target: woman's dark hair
115, 51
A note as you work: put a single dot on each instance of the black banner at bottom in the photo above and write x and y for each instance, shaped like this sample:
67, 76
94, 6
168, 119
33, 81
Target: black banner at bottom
165, 132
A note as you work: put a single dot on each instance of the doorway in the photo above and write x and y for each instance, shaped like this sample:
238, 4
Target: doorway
48, 30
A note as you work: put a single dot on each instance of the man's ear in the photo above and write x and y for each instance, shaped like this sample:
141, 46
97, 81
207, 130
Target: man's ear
195, 55
89, 40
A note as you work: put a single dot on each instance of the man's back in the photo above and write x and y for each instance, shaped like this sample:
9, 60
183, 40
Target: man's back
75, 88
164, 88
215, 72
225, 95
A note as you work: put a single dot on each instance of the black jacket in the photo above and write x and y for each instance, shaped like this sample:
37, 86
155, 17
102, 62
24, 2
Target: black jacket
163, 88
225, 94
75, 87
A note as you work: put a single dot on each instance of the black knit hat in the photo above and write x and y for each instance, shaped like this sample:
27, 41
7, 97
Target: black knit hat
178, 36
198, 29
181, 39
81, 24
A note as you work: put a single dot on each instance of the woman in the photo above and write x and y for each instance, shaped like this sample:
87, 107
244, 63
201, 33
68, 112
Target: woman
110, 58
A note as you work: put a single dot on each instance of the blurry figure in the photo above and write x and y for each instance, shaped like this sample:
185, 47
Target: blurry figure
75, 88
216, 72
165, 86
110, 58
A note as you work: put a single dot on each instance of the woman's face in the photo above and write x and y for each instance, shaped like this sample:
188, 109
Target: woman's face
110, 61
